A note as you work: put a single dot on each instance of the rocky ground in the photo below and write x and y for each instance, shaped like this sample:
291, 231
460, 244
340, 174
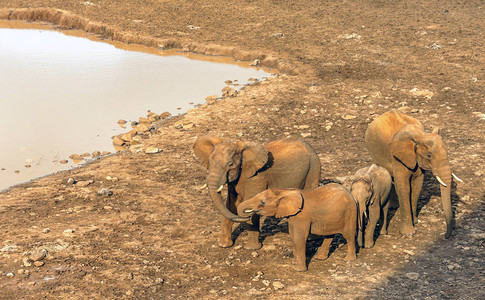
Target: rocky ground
152, 232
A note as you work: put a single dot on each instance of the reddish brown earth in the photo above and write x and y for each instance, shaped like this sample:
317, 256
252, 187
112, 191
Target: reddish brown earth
155, 236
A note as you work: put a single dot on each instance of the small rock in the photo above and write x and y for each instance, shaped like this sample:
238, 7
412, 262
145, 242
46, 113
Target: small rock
28, 166
305, 134
127, 137
144, 121
63, 161
109, 178
256, 62
421, 93
188, 126
412, 275
68, 231
71, 181
17, 171
104, 192
152, 150
269, 247
86, 154
165, 115
76, 158
228, 82
142, 128
122, 122
266, 282
46, 230
409, 252
39, 263
27, 262
348, 117
278, 285
254, 254
211, 99
10, 275
84, 183
105, 153
107, 207
38, 255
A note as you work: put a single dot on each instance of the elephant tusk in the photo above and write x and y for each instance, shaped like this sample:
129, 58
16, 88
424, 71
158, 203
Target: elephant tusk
220, 188
247, 211
204, 186
441, 181
456, 177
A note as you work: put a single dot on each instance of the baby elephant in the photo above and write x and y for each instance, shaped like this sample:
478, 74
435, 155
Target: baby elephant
326, 210
371, 187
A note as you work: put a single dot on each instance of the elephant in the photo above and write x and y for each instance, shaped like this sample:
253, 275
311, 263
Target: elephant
371, 187
326, 210
399, 143
249, 168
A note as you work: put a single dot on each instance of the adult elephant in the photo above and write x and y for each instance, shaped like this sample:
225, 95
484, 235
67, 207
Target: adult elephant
398, 143
249, 168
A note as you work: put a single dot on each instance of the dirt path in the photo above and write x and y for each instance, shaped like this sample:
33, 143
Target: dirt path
348, 62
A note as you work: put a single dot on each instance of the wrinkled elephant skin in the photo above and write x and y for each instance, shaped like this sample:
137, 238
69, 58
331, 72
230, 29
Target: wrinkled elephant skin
249, 168
326, 210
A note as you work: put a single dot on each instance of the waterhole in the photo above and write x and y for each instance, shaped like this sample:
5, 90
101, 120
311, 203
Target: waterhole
63, 94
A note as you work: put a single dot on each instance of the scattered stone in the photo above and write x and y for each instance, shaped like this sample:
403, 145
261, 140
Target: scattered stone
266, 282
188, 126
109, 178
152, 150
63, 161
39, 263
104, 192
136, 140
211, 99
17, 171
71, 181
278, 34
68, 232
105, 153
122, 122
46, 230
27, 262
421, 93
159, 280
144, 120
10, 275
348, 117
349, 36
127, 137
278, 285
412, 275
142, 128
269, 247
84, 183
76, 158
409, 252
107, 207
28, 166
86, 154
117, 141
9, 248
228, 82
38, 255
305, 134
165, 115
229, 92
256, 62
254, 254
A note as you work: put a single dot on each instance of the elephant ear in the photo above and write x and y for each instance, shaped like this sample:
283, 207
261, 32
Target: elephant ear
290, 204
403, 148
254, 157
204, 146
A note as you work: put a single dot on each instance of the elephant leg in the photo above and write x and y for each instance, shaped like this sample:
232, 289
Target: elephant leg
253, 234
416, 185
385, 210
403, 189
370, 229
299, 235
225, 239
324, 249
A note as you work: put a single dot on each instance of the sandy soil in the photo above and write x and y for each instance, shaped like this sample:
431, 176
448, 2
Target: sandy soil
343, 63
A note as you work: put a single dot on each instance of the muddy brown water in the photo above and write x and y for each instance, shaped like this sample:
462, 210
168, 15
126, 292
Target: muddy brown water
63, 94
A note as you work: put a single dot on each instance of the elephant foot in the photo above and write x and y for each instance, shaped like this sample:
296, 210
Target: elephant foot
253, 246
383, 231
406, 229
369, 245
321, 256
225, 242
300, 268
350, 257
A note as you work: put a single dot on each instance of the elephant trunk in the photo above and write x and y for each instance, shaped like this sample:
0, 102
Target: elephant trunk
215, 181
444, 172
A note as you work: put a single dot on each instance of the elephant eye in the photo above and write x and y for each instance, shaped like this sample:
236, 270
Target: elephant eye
428, 155
262, 203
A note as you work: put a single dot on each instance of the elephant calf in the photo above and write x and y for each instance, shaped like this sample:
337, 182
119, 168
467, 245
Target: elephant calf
371, 187
326, 210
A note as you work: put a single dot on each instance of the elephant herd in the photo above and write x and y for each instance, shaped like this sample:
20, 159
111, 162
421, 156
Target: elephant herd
282, 178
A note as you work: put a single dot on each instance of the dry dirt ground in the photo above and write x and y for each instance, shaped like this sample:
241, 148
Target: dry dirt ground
155, 236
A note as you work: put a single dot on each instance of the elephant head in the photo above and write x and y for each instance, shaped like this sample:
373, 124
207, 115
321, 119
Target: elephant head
228, 163
363, 192
273, 202
414, 148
